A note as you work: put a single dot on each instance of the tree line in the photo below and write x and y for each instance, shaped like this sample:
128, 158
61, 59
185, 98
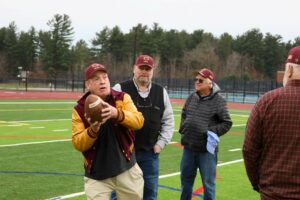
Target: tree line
52, 53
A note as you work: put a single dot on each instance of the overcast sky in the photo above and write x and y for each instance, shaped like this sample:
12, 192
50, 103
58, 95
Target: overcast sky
216, 16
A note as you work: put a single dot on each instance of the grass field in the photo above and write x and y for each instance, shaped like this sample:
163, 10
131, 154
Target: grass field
38, 161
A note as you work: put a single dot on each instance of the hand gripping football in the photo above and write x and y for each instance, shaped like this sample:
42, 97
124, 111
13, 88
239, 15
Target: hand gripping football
93, 108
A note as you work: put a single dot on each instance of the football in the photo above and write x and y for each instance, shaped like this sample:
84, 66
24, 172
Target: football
93, 108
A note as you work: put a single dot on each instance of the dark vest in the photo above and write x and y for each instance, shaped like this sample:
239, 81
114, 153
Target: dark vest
105, 159
152, 108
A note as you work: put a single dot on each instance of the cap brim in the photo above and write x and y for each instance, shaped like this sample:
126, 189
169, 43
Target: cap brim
98, 70
198, 73
102, 70
144, 65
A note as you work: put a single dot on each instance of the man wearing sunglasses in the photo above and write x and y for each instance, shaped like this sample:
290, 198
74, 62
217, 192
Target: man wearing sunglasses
153, 101
204, 119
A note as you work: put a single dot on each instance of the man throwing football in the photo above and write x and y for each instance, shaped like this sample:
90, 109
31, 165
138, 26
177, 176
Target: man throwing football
107, 145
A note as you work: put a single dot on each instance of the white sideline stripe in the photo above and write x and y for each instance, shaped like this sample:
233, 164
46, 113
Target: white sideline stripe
230, 162
239, 115
219, 165
169, 175
34, 127
28, 143
36, 103
238, 149
60, 130
238, 125
67, 196
42, 120
160, 177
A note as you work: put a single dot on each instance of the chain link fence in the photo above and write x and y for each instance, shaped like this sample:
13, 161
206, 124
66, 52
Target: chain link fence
241, 91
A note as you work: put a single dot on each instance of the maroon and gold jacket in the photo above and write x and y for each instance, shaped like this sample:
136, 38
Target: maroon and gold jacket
128, 120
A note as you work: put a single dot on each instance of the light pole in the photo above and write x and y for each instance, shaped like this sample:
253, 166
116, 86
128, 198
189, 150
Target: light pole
19, 75
26, 79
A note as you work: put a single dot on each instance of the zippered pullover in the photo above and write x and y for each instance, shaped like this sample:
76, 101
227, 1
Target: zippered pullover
201, 114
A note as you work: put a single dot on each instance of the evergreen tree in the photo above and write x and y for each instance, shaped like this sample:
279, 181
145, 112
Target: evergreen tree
55, 45
273, 54
27, 49
10, 48
250, 45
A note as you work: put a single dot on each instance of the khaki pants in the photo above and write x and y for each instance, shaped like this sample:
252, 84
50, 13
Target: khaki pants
128, 186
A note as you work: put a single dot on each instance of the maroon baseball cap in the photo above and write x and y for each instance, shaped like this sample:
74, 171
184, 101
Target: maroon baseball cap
206, 73
294, 56
91, 69
143, 60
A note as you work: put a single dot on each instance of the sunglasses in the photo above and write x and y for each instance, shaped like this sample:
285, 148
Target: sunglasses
198, 80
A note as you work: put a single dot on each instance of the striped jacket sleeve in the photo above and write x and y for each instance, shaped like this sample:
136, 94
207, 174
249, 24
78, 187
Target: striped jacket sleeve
82, 141
133, 119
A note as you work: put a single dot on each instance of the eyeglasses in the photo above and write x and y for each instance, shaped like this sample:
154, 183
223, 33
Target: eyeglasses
198, 80
143, 102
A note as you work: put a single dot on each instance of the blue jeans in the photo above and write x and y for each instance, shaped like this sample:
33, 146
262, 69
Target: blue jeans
149, 163
206, 163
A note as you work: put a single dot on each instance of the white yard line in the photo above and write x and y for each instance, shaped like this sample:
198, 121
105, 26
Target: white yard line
169, 175
60, 130
230, 162
29, 143
21, 123
238, 149
160, 177
239, 115
219, 165
42, 120
36, 103
67, 196
238, 125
